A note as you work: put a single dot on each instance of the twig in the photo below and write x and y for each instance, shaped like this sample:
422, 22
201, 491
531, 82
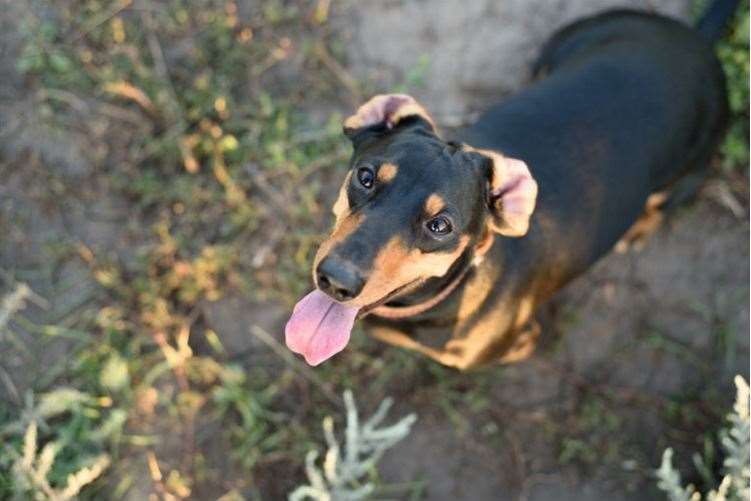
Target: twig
10, 385
104, 17
129, 91
259, 180
276, 236
294, 363
15, 301
340, 73
160, 66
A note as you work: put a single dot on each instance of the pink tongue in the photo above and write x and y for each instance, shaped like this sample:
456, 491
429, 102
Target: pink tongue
319, 327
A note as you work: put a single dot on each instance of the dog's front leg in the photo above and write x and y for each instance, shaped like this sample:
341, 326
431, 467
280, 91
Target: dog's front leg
401, 339
525, 341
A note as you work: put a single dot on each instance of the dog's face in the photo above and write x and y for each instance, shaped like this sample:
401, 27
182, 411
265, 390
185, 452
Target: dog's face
411, 205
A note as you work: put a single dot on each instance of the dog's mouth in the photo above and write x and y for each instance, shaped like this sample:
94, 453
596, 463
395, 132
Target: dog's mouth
365, 310
320, 327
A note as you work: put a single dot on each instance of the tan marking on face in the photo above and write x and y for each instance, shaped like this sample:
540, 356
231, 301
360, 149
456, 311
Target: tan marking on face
341, 206
397, 265
387, 172
342, 229
434, 204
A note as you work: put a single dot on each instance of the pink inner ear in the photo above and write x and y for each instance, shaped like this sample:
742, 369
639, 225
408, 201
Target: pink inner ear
517, 191
393, 103
518, 195
380, 108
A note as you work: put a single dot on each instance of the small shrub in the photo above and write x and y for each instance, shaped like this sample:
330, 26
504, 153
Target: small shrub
734, 486
341, 477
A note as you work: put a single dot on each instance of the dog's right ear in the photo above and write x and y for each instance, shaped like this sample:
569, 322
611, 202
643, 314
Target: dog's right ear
382, 113
511, 192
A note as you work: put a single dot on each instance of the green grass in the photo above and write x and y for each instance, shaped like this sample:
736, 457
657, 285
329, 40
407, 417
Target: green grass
222, 172
733, 52
187, 93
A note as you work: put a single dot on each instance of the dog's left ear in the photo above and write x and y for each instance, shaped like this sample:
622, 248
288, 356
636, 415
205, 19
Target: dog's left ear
512, 193
384, 112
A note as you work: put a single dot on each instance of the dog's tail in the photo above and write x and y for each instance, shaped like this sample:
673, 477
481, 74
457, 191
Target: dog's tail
712, 23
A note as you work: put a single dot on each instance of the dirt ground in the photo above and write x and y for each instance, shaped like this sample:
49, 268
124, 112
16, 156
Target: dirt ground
604, 345
589, 414
636, 328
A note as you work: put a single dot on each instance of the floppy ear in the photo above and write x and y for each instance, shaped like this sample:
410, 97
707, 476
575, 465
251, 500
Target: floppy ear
512, 194
384, 112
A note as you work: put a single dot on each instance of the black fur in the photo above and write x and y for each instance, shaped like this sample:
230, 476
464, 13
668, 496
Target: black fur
623, 104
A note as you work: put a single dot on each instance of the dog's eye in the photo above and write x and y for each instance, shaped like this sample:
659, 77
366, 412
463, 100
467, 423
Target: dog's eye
366, 176
439, 225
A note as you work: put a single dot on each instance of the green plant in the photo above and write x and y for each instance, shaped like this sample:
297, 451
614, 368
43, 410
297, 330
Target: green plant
32, 469
733, 53
343, 472
734, 485
732, 50
214, 161
77, 428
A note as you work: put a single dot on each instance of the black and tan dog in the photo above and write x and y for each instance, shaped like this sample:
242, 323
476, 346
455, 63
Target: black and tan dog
448, 247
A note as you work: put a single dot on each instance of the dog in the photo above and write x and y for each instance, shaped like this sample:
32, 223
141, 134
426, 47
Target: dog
447, 247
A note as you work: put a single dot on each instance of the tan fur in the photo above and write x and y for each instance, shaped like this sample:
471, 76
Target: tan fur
353, 122
434, 204
387, 172
342, 229
398, 338
469, 345
374, 111
524, 344
341, 206
474, 293
411, 109
647, 224
469, 352
484, 244
397, 265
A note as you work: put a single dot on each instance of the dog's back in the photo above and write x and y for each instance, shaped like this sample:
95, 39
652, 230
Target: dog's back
624, 104
670, 75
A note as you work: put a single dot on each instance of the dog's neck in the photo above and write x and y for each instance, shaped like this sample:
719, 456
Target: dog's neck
429, 294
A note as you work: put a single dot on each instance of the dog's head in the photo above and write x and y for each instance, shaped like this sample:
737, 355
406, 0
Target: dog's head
411, 205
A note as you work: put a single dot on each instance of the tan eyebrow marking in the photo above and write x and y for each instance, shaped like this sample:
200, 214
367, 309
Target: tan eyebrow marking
387, 172
434, 204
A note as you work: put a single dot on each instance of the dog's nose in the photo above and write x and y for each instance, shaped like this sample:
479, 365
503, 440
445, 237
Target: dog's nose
338, 279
